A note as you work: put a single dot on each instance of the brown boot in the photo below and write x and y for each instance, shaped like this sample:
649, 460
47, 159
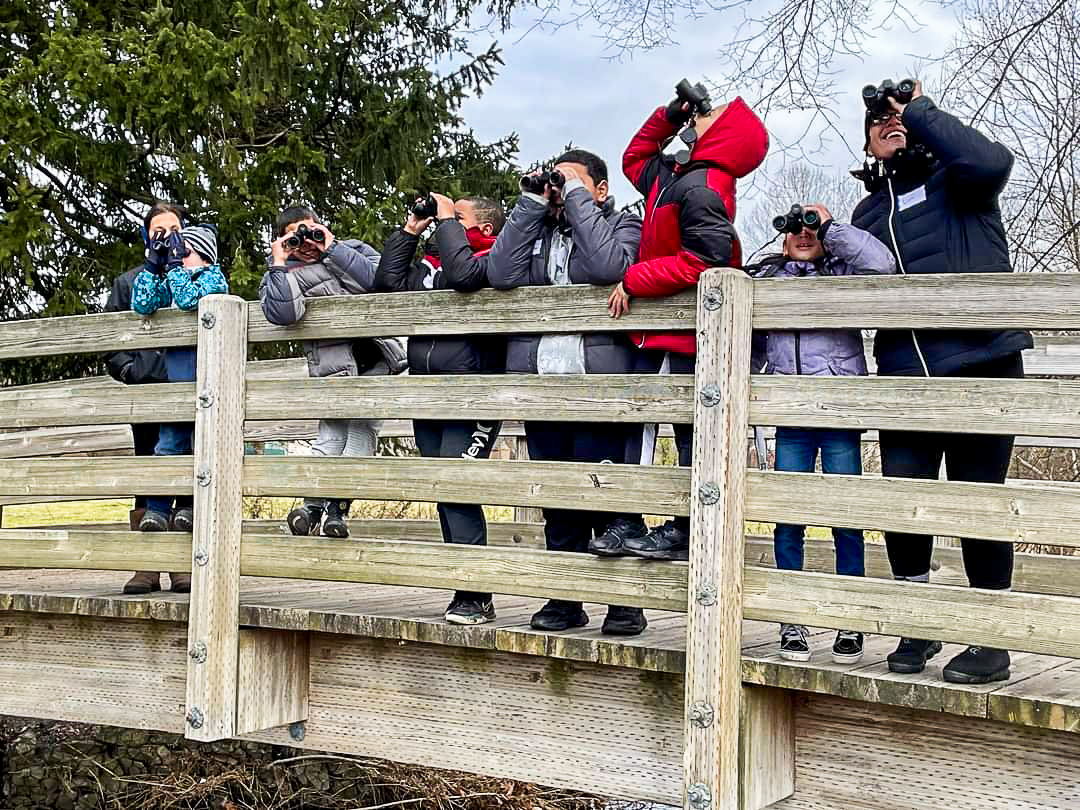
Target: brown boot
143, 582
181, 583
134, 517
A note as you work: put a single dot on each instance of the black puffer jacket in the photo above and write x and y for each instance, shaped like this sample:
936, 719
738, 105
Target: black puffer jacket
460, 270
132, 368
946, 219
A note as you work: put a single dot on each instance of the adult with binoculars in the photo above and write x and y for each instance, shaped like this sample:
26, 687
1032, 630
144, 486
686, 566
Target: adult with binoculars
933, 186
307, 261
572, 234
455, 258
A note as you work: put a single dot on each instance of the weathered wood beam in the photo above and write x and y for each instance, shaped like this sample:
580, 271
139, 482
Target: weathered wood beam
60, 441
107, 332
106, 403
272, 689
73, 478
953, 301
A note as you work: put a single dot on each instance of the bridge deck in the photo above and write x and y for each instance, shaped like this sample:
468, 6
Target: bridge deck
1044, 691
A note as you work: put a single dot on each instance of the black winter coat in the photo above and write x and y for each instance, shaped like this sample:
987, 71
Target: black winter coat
132, 368
460, 270
946, 219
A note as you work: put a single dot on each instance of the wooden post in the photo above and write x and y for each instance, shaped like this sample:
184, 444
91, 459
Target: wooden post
525, 514
717, 494
214, 616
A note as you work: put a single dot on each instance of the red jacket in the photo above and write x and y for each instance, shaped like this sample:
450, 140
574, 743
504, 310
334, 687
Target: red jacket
689, 209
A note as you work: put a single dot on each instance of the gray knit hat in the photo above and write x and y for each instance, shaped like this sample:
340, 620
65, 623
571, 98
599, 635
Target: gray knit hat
203, 240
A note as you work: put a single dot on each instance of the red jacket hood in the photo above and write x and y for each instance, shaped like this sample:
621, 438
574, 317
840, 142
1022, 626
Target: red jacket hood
736, 142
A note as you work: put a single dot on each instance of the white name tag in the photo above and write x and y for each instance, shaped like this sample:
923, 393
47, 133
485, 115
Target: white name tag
538, 246
913, 197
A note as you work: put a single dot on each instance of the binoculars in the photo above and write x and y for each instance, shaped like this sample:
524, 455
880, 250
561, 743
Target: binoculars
876, 98
796, 219
303, 234
537, 183
695, 95
425, 207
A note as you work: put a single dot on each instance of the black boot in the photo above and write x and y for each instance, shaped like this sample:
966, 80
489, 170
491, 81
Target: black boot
305, 519
610, 543
559, 615
334, 523
911, 655
624, 621
978, 665
667, 542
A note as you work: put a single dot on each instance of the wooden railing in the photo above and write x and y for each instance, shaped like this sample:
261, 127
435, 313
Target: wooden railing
717, 589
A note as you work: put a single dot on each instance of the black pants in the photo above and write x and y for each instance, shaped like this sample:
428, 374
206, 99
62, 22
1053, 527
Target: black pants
571, 529
968, 457
652, 362
144, 438
461, 523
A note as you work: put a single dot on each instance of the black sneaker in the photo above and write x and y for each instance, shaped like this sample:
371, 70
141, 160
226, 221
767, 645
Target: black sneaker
847, 649
334, 524
470, 611
624, 621
978, 665
610, 543
304, 519
183, 520
793, 646
559, 615
667, 542
154, 522
911, 655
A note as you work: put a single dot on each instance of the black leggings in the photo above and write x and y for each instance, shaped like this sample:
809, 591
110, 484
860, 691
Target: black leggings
968, 457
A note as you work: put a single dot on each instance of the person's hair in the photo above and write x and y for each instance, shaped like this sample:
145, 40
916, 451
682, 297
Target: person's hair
489, 211
294, 213
593, 164
163, 207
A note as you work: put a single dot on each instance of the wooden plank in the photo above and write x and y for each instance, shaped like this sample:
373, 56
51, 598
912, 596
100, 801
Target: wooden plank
612, 731
1019, 621
1046, 407
500, 533
103, 550
858, 756
109, 403
1046, 514
1049, 700
273, 681
524, 514
106, 332
766, 747
537, 310
61, 441
520, 571
589, 397
568, 485
213, 624
946, 301
714, 618
73, 478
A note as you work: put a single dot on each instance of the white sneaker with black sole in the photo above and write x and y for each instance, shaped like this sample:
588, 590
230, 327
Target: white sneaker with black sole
793, 645
847, 649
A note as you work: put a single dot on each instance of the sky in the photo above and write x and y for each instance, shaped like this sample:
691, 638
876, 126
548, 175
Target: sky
561, 87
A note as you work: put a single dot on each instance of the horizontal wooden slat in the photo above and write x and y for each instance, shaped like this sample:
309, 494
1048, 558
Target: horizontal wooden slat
946, 301
107, 403
579, 308
1021, 514
518, 571
96, 477
107, 332
1018, 621
580, 397
1041, 407
564, 485
95, 549
64, 440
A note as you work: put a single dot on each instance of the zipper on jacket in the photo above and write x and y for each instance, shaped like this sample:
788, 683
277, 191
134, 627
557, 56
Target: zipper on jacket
798, 351
903, 272
427, 360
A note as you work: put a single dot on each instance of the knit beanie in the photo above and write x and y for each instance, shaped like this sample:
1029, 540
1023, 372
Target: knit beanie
203, 240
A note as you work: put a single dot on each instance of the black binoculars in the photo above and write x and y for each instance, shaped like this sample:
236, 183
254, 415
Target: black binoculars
796, 219
538, 183
695, 95
876, 98
302, 234
425, 207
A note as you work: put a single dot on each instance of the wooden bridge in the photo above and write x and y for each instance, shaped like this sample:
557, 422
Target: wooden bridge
339, 645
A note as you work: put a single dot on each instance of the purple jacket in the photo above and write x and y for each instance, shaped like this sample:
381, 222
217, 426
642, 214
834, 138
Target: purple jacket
849, 251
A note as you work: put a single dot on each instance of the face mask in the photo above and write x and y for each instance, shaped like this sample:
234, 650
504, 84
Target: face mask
478, 240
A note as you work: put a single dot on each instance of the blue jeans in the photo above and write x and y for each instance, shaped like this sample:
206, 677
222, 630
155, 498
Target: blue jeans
796, 451
174, 439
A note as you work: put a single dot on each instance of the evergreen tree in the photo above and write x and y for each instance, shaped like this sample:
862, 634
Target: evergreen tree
231, 109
